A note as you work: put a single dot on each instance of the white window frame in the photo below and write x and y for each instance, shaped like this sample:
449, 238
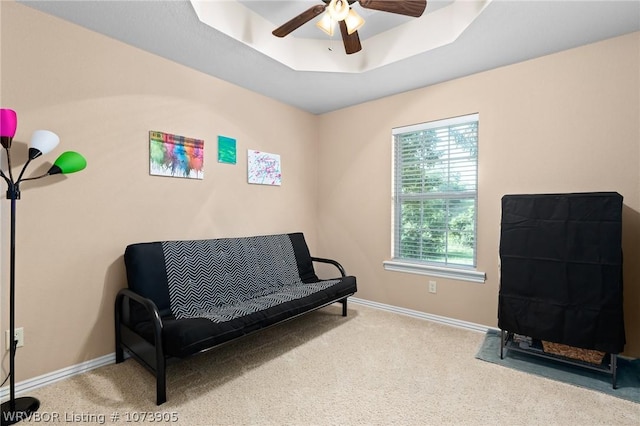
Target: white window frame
436, 269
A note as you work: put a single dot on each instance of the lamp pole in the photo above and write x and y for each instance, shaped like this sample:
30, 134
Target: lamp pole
42, 142
21, 408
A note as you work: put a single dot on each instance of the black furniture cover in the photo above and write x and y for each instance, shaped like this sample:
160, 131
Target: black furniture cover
561, 269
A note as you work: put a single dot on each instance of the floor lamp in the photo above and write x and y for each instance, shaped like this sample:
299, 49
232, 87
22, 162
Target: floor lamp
42, 142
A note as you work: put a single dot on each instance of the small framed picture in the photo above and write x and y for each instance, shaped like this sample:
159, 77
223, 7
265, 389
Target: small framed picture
264, 168
175, 156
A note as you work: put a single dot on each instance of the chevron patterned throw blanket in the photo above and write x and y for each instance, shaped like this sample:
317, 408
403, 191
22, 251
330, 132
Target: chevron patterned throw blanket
223, 279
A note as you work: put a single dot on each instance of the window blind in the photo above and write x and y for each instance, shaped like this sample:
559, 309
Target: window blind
435, 191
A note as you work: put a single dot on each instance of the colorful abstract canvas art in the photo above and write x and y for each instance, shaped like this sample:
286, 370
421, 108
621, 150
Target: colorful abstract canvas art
264, 168
176, 156
226, 150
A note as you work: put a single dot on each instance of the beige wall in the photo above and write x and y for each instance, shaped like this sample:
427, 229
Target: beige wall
102, 97
567, 122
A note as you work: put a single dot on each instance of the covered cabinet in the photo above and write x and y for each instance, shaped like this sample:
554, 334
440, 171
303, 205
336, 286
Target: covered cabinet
561, 269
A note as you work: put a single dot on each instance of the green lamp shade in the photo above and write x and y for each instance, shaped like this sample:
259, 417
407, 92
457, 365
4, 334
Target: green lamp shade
68, 162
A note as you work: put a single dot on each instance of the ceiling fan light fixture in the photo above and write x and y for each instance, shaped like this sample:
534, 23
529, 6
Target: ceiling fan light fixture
338, 9
353, 21
349, 21
326, 24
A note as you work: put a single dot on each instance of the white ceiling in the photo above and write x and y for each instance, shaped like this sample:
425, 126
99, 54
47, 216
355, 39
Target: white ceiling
506, 32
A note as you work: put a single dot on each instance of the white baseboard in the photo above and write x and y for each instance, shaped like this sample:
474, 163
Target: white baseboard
64, 373
47, 379
422, 315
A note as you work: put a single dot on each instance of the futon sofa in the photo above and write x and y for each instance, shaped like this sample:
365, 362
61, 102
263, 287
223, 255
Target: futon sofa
185, 297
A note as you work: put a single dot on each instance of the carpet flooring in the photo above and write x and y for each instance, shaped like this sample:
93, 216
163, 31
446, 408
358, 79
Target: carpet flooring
371, 368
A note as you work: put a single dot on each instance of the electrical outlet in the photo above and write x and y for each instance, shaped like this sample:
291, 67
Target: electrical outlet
19, 336
432, 287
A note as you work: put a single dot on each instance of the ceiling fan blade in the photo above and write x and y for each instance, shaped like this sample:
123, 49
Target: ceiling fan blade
299, 20
351, 41
413, 8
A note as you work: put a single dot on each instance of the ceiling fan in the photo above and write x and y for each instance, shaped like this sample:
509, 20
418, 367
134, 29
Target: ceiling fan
340, 11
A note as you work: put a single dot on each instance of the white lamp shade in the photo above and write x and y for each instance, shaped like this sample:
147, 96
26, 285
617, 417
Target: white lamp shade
338, 9
353, 21
326, 24
44, 141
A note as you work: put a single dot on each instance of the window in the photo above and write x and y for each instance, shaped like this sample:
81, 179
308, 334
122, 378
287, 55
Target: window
435, 197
